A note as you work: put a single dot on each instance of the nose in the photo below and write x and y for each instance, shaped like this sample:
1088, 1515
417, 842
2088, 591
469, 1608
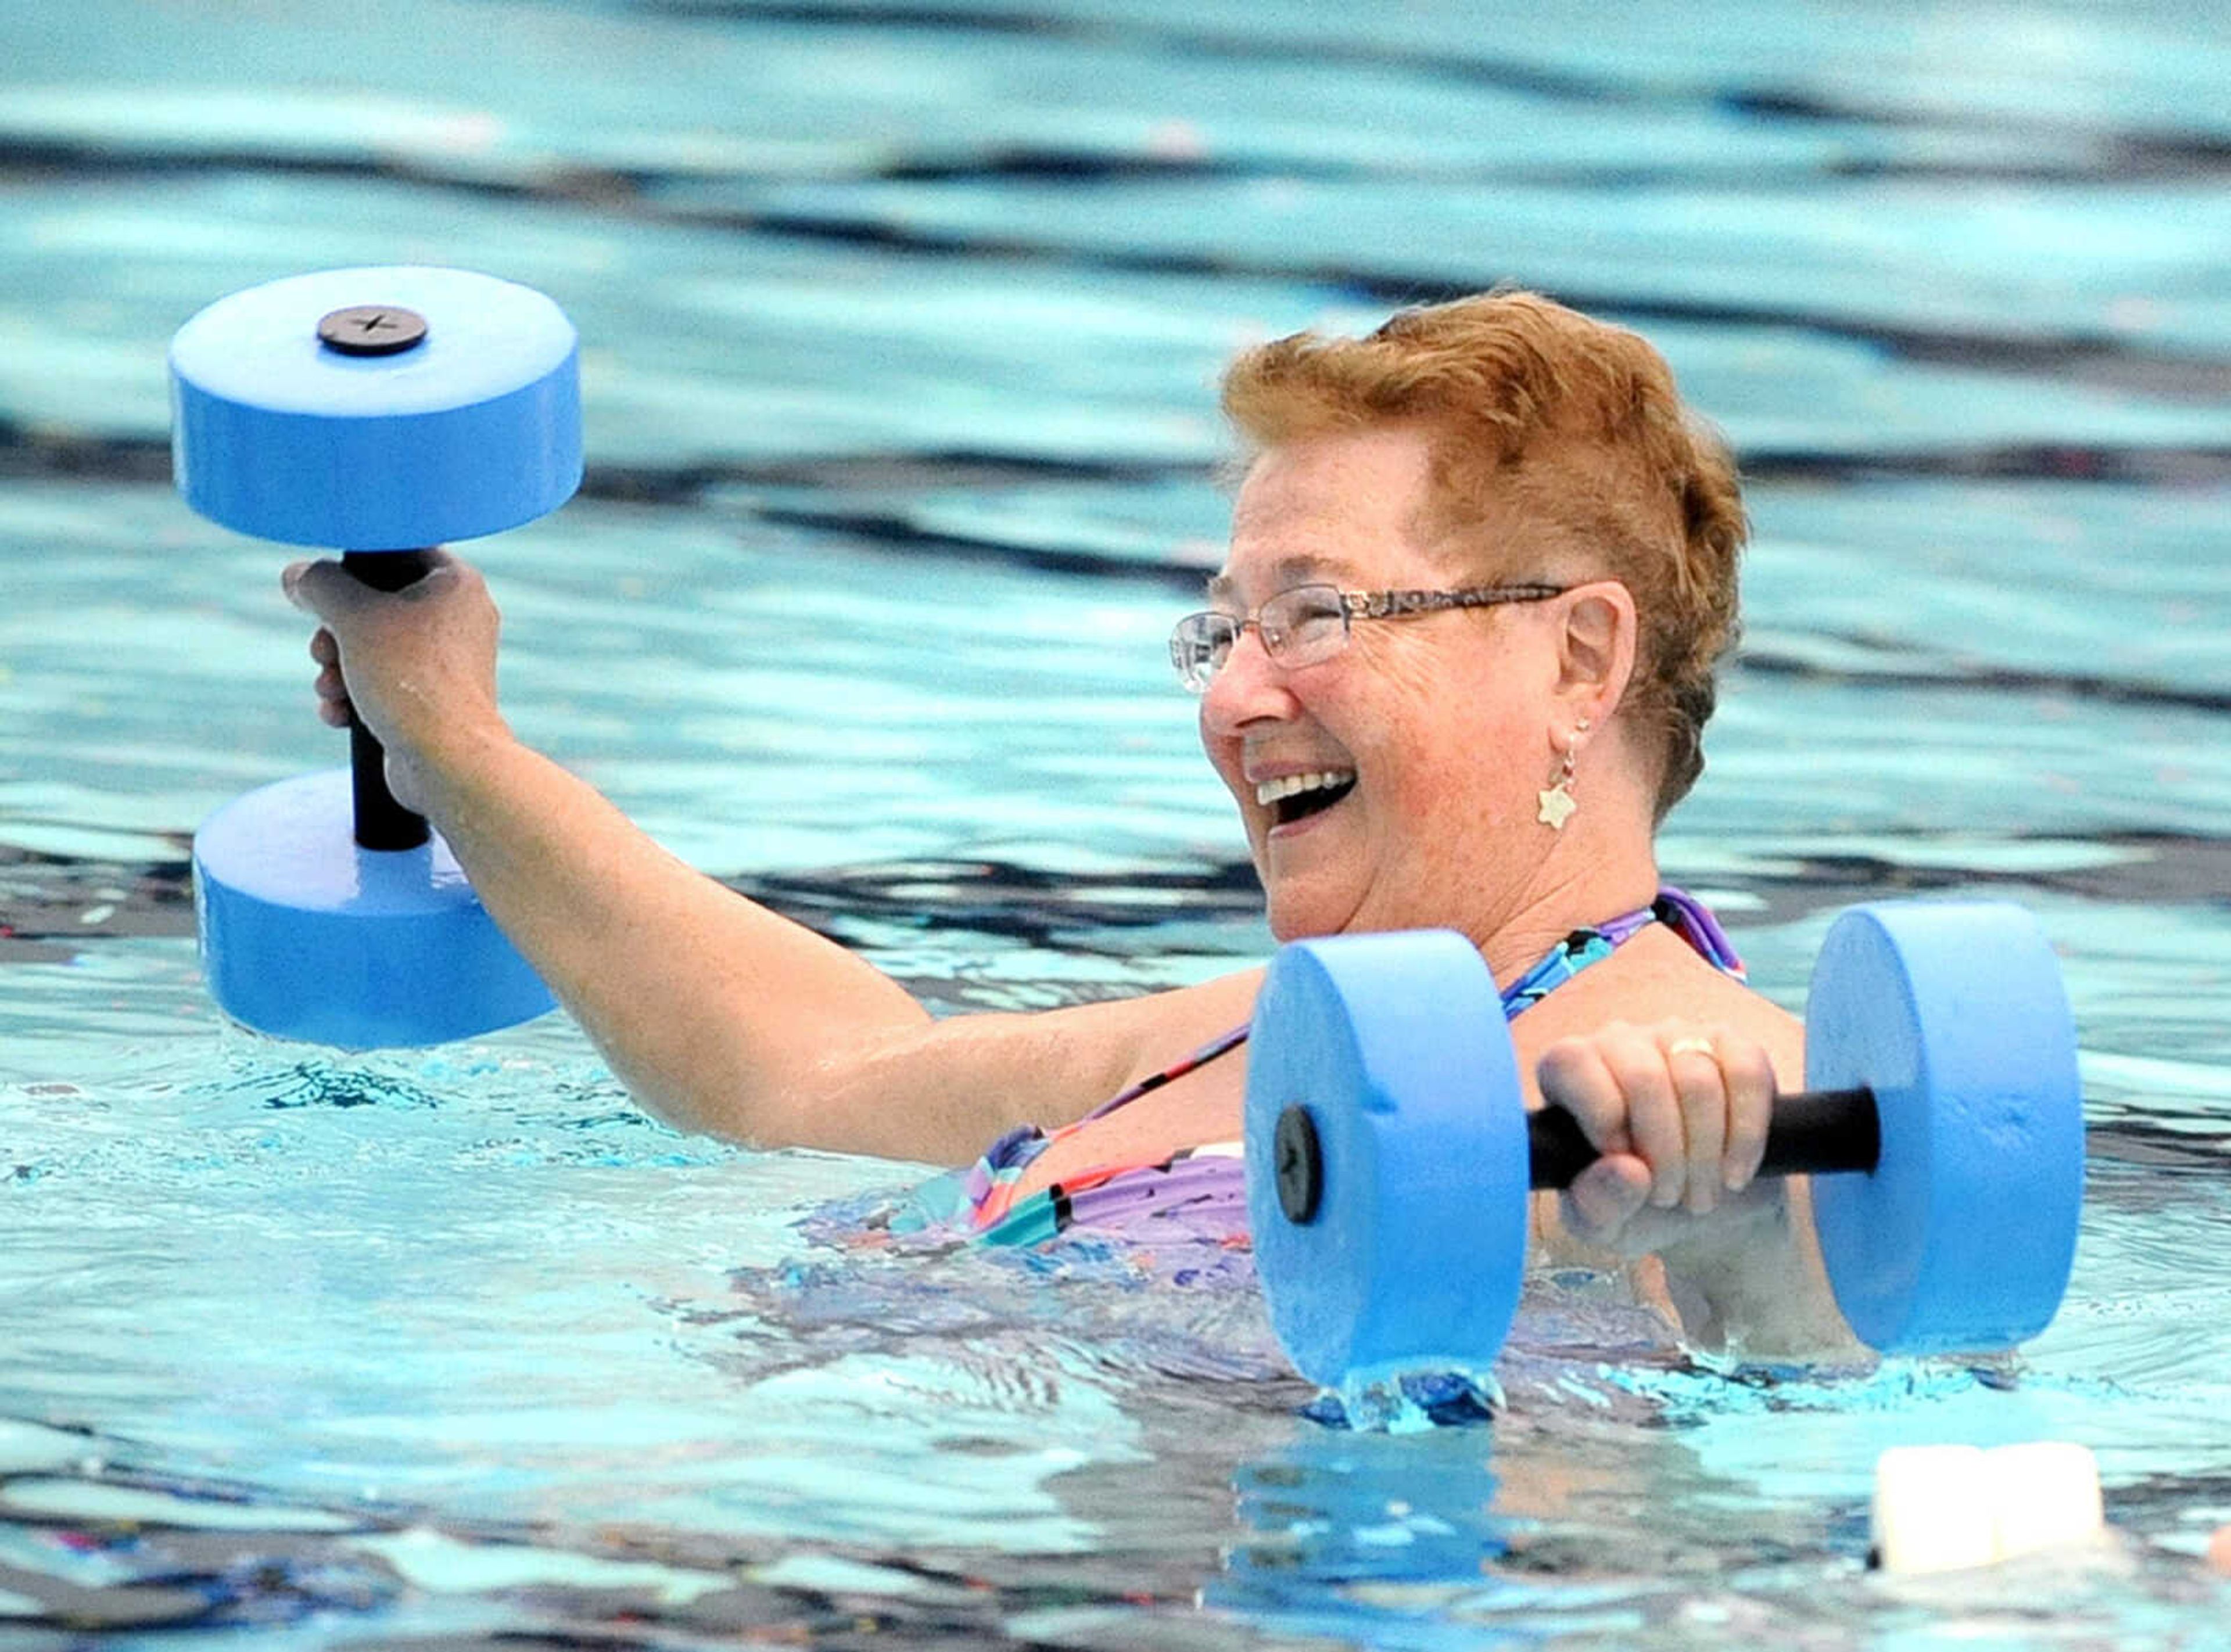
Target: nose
1249, 688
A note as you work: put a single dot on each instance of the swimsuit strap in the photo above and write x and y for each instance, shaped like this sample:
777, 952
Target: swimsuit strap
1221, 1044
1692, 920
1025, 1142
1589, 945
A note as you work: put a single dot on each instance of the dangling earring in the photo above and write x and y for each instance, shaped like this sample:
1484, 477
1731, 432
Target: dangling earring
1557, 804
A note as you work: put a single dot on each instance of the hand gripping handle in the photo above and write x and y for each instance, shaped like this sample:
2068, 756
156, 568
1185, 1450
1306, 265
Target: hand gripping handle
381, 823
1808, 1133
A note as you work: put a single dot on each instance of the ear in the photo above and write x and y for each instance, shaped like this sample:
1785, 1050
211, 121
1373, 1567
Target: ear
1596, 648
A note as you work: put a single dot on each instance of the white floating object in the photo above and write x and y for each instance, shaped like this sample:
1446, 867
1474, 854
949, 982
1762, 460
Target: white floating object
1947, 1509
1932, 1509
2048, 1496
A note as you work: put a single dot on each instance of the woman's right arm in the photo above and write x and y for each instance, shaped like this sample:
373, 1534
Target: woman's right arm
716, 1013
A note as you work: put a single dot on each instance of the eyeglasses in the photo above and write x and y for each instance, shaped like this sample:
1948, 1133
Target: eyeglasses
1309, 624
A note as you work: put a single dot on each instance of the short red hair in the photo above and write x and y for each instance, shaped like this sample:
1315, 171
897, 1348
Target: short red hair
1576, 420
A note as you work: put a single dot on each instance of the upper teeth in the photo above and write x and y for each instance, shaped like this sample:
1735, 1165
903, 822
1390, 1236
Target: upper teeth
1268, 791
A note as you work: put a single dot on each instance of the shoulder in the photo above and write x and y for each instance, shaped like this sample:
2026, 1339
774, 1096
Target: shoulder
1657, 977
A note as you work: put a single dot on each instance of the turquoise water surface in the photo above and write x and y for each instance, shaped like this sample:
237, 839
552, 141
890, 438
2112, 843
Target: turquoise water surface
900, 324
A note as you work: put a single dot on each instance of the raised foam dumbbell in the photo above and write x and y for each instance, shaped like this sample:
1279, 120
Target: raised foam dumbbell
377, 412
1390, 1152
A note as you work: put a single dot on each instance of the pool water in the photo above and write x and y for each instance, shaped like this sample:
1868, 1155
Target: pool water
900, 326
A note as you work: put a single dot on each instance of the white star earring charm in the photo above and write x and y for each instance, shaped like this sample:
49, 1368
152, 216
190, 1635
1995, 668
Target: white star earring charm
1556, 799
1557, 806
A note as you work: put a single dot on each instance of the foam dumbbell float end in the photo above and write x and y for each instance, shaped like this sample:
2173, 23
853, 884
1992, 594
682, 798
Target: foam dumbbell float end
1415, 1252
472, 429
306, 935
1953, 1014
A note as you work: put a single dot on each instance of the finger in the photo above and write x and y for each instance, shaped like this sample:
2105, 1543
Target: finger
331, 688
1693, 1062
1605, 1197
1654, 1110
1749, 1075
323, 587
1572, 1074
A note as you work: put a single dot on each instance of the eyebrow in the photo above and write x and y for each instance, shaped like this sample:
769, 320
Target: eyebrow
1301, 568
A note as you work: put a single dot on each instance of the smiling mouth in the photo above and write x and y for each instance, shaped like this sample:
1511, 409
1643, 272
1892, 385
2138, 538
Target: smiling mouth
1296, 796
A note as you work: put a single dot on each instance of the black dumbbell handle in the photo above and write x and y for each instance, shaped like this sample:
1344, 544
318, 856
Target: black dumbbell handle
1811, 1132
381, 823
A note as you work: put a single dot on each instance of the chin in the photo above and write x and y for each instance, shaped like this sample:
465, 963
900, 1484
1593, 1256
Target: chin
1295, 915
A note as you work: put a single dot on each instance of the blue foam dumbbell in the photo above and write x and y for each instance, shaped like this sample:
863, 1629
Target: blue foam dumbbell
377, 412
1390, 1152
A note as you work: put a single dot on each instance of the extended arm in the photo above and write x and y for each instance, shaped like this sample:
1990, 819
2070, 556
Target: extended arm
717, 1013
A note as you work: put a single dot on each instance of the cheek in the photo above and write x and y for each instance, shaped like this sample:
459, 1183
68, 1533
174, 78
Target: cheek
1460, 773
1223, 754
1436, 730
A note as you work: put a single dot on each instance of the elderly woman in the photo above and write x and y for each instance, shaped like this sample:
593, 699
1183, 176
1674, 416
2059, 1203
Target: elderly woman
1454, 672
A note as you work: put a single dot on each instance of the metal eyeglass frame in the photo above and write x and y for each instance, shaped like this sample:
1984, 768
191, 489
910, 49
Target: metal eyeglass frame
1199, 653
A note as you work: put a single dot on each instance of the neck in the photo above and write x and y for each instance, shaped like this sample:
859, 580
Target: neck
1592, 871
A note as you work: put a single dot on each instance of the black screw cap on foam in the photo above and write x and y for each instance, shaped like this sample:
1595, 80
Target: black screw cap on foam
371, 329
1301, 1165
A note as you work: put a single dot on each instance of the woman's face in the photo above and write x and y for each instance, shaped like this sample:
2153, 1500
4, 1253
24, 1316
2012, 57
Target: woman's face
1442, 722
